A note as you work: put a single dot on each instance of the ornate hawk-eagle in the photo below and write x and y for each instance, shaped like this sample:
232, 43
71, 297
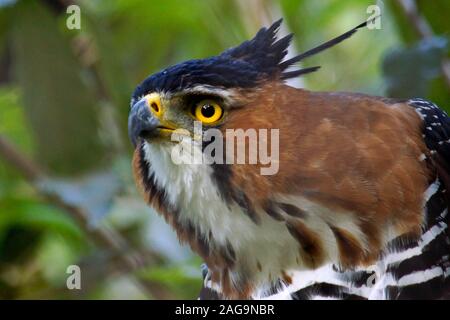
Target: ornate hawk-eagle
358, 205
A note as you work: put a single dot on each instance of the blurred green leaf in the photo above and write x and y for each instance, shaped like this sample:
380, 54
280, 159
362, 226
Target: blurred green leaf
408, 72
402, 25
13, 126
59, 106
314, 22
184, 280
36, 215
55, 255
12, 119
436, 13
18, 242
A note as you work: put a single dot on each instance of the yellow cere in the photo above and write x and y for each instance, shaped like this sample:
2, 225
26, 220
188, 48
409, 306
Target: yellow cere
154, 103
208, 111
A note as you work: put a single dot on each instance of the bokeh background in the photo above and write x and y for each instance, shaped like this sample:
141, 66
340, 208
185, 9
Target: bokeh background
67, 195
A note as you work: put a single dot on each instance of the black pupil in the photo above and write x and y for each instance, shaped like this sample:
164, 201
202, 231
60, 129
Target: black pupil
208, 110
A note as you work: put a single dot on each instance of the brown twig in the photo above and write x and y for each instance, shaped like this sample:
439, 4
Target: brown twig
28, 169
129, 259
423, 30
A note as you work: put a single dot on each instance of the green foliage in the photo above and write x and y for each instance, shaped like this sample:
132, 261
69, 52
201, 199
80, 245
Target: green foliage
182, 280
403, 67
12, 125
13, 118
36, 215
59, 106
30, 232
435, 14
315, 22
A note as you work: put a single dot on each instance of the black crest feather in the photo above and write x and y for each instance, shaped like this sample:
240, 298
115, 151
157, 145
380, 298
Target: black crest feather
245, 66
265, 51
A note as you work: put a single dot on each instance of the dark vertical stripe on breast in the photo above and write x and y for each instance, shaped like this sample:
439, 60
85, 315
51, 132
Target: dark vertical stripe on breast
351, 252
292, 210
221, 175
310, 243
271, 209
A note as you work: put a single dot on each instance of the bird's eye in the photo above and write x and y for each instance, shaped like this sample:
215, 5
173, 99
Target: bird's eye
208, 111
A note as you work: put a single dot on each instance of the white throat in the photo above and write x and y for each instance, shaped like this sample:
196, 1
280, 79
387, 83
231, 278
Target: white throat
191, 189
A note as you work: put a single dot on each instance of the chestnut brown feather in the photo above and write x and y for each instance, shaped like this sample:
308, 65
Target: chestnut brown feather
348, 152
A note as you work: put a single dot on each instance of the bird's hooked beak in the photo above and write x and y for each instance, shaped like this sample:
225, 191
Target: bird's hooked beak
144, 121
141, 122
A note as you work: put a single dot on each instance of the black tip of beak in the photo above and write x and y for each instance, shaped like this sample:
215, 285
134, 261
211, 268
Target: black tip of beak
141, 122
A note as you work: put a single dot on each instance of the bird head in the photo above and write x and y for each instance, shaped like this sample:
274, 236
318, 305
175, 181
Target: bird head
209, 90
